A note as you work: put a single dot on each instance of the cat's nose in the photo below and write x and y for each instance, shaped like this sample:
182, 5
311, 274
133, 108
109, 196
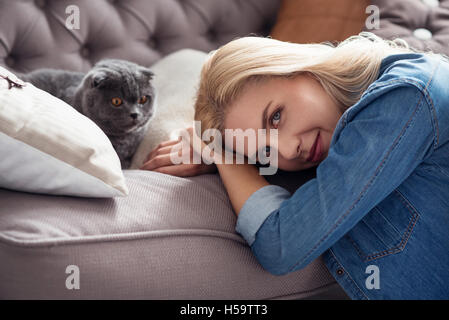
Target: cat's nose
134, 115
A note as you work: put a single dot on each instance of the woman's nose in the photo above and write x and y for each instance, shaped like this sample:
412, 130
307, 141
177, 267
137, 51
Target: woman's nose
289, 149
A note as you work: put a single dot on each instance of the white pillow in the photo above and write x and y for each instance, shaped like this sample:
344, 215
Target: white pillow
46, 146
176, 81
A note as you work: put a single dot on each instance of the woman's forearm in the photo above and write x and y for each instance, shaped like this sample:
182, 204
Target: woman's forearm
240, 181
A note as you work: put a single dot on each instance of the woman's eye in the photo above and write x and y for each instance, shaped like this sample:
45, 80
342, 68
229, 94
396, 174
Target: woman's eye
267, 150
116, 102
143, 100
275, 118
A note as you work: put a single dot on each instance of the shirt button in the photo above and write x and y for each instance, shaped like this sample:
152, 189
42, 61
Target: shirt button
422, 34
9, 61
85, 52
152, 42
340, 272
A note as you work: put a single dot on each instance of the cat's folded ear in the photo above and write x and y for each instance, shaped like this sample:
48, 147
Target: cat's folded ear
146, 73
98, 79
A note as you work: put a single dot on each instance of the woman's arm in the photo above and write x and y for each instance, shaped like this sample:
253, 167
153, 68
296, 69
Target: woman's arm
375, 148
240, 181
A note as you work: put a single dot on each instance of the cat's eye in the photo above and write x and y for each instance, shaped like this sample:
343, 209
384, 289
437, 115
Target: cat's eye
143, 100
116, 102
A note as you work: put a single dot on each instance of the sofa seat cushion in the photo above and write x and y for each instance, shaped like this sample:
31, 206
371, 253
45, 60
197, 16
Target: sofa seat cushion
171, 238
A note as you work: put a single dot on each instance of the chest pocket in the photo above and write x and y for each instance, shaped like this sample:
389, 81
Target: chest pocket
386, 229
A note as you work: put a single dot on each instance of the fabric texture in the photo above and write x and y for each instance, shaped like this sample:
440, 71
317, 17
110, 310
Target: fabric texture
49, 147
171, 238
311, 21
176, 79
379, 198
424, 24
34, 33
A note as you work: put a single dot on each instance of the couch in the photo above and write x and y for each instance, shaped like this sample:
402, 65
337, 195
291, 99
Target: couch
171, 237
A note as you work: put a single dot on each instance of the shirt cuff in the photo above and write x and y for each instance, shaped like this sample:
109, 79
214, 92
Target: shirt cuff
257, 208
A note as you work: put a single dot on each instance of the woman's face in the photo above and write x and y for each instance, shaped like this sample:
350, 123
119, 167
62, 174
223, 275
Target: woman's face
298, 107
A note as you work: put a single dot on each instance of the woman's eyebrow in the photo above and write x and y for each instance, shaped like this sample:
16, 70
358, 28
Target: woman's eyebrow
264, 115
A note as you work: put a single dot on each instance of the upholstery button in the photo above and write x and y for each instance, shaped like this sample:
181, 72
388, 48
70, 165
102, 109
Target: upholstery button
85, 52
422, 34
340, 271
40, 3
9, 61
211, 35
431, 3
152, 42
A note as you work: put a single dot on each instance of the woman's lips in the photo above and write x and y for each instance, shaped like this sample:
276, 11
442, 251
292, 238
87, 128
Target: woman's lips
316, 152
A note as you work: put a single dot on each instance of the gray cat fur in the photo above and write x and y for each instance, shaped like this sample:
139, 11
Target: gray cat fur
91, 95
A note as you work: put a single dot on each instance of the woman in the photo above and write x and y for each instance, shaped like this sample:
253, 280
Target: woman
373, 116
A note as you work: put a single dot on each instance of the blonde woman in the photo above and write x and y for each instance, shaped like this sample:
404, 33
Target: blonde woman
373, 117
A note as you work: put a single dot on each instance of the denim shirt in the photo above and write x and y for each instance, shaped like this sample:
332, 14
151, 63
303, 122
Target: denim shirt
378, 209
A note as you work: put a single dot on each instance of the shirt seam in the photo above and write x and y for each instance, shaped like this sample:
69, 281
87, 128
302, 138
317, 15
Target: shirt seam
434, 116
425, 93
440, 169
405, 237
342, 218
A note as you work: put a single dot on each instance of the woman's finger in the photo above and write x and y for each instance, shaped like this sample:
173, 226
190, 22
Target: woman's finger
159, 152
158, 161
161, 145
168, 142
181, 170
178, 170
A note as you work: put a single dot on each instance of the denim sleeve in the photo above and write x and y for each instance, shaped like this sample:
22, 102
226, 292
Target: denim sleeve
257, 208
376, 147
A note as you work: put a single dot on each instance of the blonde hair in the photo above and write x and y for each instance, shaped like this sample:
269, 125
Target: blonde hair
345, 70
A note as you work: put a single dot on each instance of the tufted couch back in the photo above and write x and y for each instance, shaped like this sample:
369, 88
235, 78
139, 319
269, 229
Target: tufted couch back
34, 33
424, 24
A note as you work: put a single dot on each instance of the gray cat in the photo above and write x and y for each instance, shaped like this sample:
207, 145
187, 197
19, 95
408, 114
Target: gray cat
117, 95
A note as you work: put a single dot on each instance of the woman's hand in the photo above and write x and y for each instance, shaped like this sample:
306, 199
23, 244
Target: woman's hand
160, 158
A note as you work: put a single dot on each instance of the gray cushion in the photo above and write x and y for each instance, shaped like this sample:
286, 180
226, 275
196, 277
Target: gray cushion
33, 33
171, 238
405, 18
